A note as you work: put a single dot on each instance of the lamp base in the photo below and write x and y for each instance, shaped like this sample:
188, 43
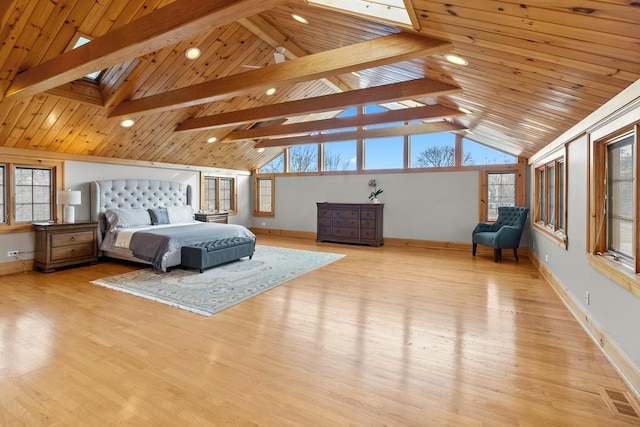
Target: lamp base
69, 214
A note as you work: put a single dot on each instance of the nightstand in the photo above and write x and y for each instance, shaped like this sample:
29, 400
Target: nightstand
221, 217
65, 244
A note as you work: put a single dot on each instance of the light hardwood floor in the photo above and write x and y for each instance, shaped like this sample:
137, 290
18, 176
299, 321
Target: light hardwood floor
384, 336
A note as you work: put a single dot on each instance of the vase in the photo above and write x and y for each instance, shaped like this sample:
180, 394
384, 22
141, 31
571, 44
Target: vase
375, 200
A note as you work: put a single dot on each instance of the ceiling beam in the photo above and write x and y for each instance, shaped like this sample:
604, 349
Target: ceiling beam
274, 38
166, 26
404, 115
371, 53
421, 128
338, 101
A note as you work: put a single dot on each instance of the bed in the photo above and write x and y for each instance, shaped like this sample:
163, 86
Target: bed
149, 221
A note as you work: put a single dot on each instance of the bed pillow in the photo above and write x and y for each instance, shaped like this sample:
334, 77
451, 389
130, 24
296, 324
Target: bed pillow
127, 218
159, 216
180, 214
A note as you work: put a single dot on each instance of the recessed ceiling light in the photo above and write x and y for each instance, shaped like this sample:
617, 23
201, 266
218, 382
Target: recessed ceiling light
464, 110
455, 59
212, 140
192, 53
355, 73
260, 150
127, 123
299, 18
270, 91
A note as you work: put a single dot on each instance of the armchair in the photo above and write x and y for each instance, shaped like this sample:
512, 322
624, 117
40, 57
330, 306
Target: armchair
505, 233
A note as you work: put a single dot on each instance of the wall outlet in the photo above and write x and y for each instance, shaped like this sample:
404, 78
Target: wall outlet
13, 253
546, 258
263, 224
587, 297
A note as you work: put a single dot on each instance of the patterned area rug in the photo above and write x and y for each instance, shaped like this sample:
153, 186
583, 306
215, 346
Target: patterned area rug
223, 286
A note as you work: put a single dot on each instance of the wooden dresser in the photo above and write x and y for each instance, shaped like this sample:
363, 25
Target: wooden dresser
359, 223
65, 244
221, 217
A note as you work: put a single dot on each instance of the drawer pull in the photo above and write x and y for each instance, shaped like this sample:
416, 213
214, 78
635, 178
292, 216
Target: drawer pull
73, 238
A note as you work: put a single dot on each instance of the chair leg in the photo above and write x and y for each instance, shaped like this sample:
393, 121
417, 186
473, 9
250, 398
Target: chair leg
475, 246
515, 253
496, 255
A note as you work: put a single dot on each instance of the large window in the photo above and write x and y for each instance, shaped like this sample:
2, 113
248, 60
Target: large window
3, 196
303, 158
549, 213
432, 150
339, 156
264, 195
384, 153
613, 228
218, 194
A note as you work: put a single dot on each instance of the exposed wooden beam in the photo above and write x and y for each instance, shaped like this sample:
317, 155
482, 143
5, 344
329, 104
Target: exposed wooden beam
371, 53
364, 134
374, 95
168, 25
270, 35
408, 114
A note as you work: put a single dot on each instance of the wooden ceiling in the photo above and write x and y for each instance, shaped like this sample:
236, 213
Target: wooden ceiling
534, 70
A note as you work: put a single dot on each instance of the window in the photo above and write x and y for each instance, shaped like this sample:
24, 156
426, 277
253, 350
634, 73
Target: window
549, 213
432, 150
27, 192
478, 154
384, 153
33, 194
613, 216
339, 156
303, 158
501, 187
264, 195
274, 166
218, 194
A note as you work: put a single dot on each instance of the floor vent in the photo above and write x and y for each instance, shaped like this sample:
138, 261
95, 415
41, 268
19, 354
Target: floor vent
620, 402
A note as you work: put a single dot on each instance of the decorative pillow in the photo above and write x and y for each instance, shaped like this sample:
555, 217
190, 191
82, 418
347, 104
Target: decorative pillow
159, 216
178, 214
127, 218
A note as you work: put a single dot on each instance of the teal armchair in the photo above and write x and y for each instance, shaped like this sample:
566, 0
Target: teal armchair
505, 233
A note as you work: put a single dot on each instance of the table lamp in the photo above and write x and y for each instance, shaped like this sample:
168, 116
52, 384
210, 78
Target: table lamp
68, 199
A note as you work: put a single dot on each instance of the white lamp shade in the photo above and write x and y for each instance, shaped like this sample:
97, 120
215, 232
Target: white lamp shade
69, 197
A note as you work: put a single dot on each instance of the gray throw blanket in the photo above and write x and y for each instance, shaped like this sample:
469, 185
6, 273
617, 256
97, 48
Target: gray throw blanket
152, 245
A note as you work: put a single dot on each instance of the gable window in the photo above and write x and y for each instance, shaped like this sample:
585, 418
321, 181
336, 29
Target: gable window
432, 150
549, 213
263, 195
384, 153
303, 158
339, 156
274, 166
613, 216
218, 194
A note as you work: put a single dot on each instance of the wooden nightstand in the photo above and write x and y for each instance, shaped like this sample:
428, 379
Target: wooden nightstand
221, 217
64, 244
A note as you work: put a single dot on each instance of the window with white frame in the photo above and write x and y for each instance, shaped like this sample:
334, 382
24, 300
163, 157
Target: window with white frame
501, 191
33, 194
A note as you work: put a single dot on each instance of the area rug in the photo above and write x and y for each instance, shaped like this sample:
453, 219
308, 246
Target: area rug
220, 287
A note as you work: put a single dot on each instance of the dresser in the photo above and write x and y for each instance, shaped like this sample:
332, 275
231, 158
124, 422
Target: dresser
221, 217
359, 223
65, 244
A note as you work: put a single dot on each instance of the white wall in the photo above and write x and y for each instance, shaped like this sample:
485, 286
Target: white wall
440, 206
613, 308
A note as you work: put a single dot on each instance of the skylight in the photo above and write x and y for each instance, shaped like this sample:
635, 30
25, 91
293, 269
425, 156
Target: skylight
91, 76
393, 11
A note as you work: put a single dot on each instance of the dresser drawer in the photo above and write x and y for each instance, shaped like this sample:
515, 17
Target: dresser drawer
345, 213
368, 223
368, 214
66, 239
72, 251
351, 233
324, 221
368, 234
344, 222
324, 213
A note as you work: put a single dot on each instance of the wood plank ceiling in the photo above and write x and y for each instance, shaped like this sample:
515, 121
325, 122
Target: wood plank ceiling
534, 70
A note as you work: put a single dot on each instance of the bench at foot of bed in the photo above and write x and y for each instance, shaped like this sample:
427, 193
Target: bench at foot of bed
209, 254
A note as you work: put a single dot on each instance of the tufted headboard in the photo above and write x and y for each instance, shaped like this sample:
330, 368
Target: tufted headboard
135, 193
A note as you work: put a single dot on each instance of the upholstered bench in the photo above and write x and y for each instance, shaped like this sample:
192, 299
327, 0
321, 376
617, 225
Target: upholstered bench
209, 254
